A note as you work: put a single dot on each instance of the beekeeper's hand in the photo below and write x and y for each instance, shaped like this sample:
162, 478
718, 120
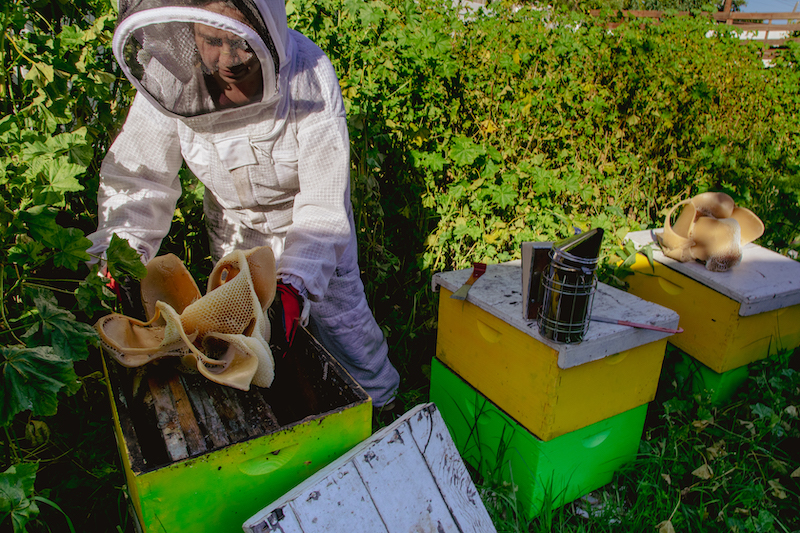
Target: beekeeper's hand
287, 307
128, 292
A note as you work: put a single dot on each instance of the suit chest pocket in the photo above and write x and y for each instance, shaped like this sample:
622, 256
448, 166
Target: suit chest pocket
277, 168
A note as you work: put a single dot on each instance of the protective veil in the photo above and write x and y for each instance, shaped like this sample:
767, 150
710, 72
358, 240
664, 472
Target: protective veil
274, 157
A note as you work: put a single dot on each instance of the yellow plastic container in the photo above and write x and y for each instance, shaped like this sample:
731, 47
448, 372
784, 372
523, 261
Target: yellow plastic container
321, 412
729, 318
551, 389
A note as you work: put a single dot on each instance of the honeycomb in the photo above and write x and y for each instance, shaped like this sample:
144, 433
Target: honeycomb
224, 334
711, 229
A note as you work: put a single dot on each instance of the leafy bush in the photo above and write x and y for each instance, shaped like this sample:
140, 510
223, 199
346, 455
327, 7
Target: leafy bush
513, 124
61, 103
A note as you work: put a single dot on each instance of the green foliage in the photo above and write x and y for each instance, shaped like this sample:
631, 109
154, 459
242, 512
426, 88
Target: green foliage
31, 379
474, 133
16, 486
552, 123
60, 98
19, 501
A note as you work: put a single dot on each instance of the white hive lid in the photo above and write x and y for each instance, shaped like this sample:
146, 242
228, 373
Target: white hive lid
499, 292
764, 280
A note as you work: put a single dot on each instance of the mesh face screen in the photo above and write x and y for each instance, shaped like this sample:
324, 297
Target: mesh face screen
194, 62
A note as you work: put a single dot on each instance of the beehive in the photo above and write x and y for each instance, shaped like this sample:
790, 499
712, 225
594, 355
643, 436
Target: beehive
545, 474
203, 457
549, 388
731, 318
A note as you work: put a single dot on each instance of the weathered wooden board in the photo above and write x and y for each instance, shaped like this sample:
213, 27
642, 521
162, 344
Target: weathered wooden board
323, 507
407, 477
444, 461
499, 293
402, 488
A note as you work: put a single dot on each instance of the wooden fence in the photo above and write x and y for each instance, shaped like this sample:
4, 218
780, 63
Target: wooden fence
750, 24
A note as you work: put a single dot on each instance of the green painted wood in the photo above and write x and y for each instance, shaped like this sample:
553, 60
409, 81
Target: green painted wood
547, 473
699, 379
244, 447
218, 491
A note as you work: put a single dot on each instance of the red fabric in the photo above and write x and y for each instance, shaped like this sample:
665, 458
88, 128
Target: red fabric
290, 301
113, 286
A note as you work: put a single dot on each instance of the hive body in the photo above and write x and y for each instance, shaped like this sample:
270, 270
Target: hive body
729, 318
202, 457
546, 473
549, 388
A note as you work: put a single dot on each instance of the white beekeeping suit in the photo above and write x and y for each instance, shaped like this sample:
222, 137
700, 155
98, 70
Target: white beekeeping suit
255, 111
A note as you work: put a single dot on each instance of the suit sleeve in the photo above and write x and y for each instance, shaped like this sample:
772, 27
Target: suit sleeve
139, 184
321, 227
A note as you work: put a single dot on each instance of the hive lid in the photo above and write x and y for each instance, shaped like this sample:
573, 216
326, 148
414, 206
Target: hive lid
764, 280
408, 476
499, 292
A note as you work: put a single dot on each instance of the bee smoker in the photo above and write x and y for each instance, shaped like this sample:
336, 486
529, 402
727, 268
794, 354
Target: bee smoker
568, 284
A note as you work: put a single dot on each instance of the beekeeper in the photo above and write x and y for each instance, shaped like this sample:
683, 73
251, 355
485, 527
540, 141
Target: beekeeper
255, 111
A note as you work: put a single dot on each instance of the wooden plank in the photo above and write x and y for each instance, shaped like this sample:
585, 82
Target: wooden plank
640, 13
206, 413
646, 13
387, 472
337, 503
401, 485
257, 412
460, 495
122, 409
195, 441
231, 413
755, 16
766, 27
718, 16
775, 42
167, 419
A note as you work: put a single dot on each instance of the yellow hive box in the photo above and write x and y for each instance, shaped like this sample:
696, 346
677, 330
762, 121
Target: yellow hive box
544, 474
550, 388
731, 318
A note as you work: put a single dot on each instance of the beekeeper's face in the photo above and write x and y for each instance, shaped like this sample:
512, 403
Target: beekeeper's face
224, 53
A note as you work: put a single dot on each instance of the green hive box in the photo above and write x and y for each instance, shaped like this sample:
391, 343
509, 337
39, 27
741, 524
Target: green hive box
550, 473
202, 457
720, 387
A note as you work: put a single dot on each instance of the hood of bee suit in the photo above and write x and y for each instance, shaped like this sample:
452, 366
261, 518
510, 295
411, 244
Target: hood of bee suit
179, 53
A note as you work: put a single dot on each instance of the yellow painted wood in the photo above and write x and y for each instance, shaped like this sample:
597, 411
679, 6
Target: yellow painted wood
714, 333
521, 375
